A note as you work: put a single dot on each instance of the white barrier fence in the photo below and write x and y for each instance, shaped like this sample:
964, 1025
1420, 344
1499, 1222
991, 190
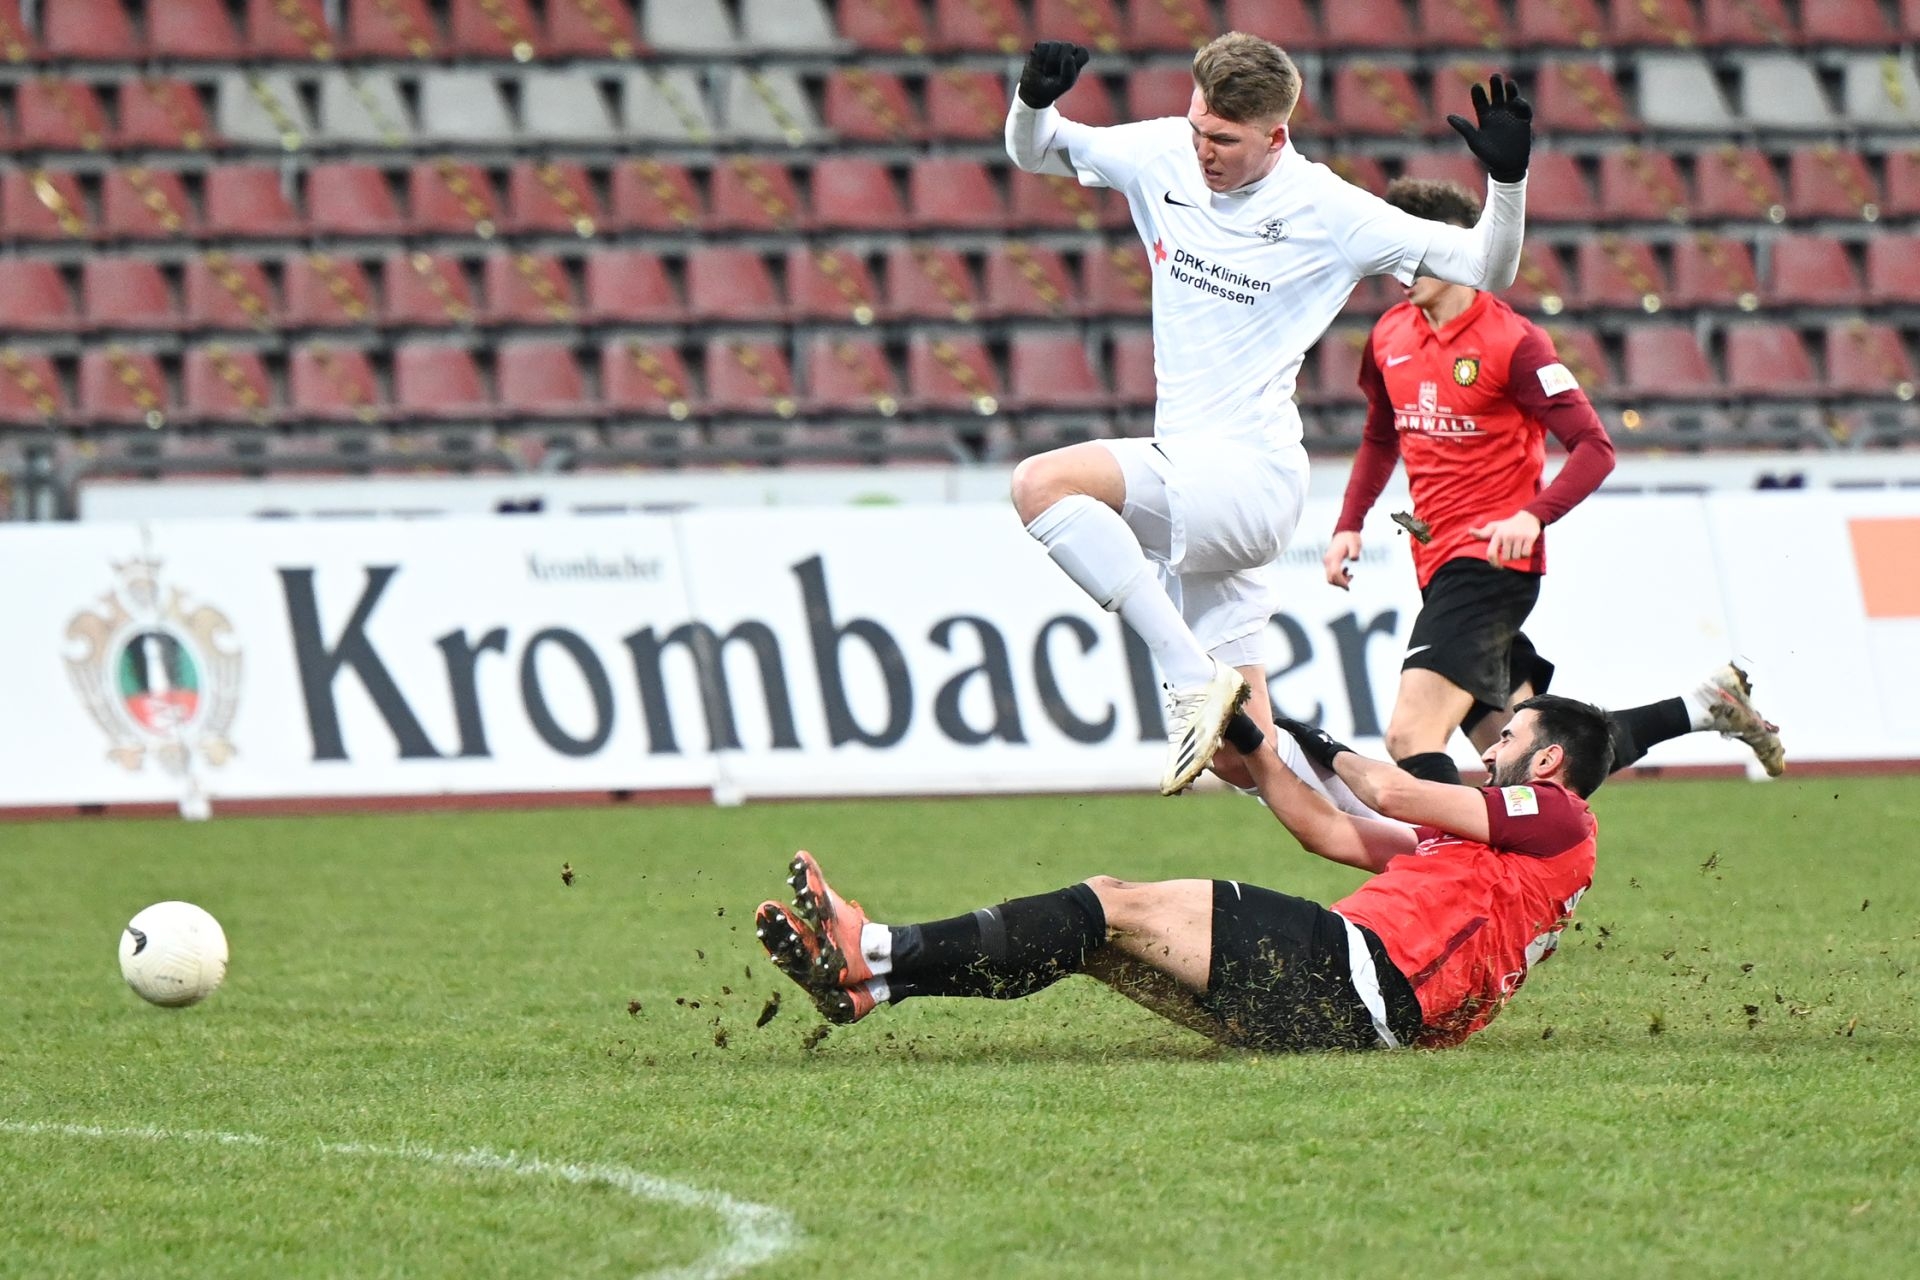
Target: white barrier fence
821, 651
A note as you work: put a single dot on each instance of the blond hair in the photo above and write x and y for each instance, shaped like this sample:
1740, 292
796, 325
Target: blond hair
1245, 79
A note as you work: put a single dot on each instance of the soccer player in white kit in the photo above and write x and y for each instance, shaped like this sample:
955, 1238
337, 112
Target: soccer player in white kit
1254, 250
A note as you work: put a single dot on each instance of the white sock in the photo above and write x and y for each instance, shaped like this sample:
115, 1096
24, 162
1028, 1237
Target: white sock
1698, 714
876, 947
1090, 541
879, 989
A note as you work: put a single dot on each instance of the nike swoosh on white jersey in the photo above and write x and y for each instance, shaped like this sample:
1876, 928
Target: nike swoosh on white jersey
1394, 360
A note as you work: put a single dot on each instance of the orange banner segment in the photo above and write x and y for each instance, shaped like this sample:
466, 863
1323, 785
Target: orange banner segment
1886, 552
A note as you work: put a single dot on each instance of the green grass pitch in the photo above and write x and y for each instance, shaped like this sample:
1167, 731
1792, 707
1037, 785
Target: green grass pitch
424, 1061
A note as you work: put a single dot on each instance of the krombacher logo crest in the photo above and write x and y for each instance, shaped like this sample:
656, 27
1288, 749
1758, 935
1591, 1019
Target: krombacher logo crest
157, 671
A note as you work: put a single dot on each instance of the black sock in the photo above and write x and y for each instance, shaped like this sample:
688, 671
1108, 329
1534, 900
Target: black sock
1434, 766
1637, 730
1001, 953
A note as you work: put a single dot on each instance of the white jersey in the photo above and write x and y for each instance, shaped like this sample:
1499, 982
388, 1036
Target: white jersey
1243, 282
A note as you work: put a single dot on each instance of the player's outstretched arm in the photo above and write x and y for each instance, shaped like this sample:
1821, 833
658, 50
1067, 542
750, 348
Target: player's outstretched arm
1391, 791
1033, 127
1319, 827
1488, 255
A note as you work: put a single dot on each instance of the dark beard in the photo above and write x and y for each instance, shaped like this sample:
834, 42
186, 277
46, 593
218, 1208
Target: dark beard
1514, 774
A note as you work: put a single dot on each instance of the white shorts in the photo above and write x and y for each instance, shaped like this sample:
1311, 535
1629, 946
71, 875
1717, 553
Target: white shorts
1213, 516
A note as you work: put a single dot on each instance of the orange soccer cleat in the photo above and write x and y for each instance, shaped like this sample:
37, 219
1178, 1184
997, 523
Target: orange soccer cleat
794, 948
834, 920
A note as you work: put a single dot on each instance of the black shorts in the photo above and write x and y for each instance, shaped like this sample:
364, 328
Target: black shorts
1279, 978
1469, 631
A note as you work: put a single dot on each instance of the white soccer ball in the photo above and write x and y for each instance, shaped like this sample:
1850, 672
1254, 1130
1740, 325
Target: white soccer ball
173, 954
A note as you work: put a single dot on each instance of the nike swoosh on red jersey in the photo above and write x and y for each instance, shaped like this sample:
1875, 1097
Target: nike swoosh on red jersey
1394, 360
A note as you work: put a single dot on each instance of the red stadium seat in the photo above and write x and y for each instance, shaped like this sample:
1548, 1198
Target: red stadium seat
1289, 23
161, 115
1735, 183
854, 193
650, 195
1368, 24
1580, 350
123, 387
830, 284
979, 26
590, 29
451, 197
1667, 361
529, 288
1709, 271
542, 378
884, 26
287, 30
947, 192
436, 380
392, 29
198, 30
870, 106
1811, 271
1542, 284
1132, 365
225, 292
1458, 167
553, 196
52, 114
1024, 279
1902, 197
43, 205
328, 383
849, 376
89, 30
1827, 182
1052, 202
1174, 25
1859, 23
1559, 24
34, 297
428, 290
1748, 22
1052, 371
17, 44
1654, 23
928, 282
227, 385
1580, 97
327, 292
749, 377
1768, 360
1893, 270
1868, 360
1156, 91
138, 203
1616, 272
1089, 102
1642, 185
1462, 24
1094, 23
966, 105
1557, 190
1119, 279
1369, 97
646, 379
1366, 172
951, 373
630, 286
732, 284
250, 201
493, 29
350, 199
755, 195
30, 391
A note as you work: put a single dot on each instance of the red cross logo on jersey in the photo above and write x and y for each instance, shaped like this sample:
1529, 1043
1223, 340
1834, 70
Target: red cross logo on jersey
1159, 251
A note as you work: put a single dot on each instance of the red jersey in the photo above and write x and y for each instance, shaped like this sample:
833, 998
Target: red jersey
1468, 406
1465, 921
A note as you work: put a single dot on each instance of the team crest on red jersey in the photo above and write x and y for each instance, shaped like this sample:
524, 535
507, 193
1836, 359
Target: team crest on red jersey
1466, 371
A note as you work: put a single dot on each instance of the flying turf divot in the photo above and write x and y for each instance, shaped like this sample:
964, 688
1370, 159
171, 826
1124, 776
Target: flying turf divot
756, 1233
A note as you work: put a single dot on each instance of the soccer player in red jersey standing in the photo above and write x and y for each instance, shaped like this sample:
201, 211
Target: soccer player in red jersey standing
1465, 391
1472, 889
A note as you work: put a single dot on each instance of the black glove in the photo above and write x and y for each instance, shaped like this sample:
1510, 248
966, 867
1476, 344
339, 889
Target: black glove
1051, 69
1505, 134
1321, 747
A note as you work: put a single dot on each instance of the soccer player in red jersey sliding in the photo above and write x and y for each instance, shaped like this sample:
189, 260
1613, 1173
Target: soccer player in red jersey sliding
1466, 391
1472, 887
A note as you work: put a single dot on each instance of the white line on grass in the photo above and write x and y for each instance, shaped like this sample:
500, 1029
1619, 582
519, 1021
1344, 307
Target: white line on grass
755, 1232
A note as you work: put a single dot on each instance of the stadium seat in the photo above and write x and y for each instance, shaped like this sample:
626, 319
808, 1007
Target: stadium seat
1679, 93
555, 197
1049, 370
788, 25
329, 383
1579, 349
1860, 23
1369, 97
262, 109
349, 199
1580, 97
749, 376
428, 290
1826, 182
34, 297
196, 30
630, 286
653, 195
1156, 91
951, 373
1782, 91
1541, 285
698, 26
728, 283
754, 195
225, 292
1457, 167
590, 29
250, 201
392, 29
849, 376
1748, 22
30, 390
501, 29
138, 203
327, 292
1901, 196
979, 26
965, 105
1893, 270
647, 379
1366, 172
1737, 184
161, 115
830, 284
667, 106
288, 30
543, 378
1868, 360
769, 105
1097, 24
1368, 24
1559, 24
871, 106
464, 109
1654, 23
54, 114
1880, 91
1462, 24
883, 26
1768, 360
1709, 271
1620, 273
1131, 361
1810, 271
89, 31
1667, 360
1046, 201
525, 288
1028, 280
953, 193
452, 198
1119, 279
120, 386
40, 204
929, 282
226, 385
856, 194
1642, 184
1292, 23
565, 107
17, 43
438, 380
1557, 188
1337, 360
1176, 26
1089, 103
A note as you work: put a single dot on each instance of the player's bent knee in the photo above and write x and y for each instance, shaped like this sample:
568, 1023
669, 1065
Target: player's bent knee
1038, 483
